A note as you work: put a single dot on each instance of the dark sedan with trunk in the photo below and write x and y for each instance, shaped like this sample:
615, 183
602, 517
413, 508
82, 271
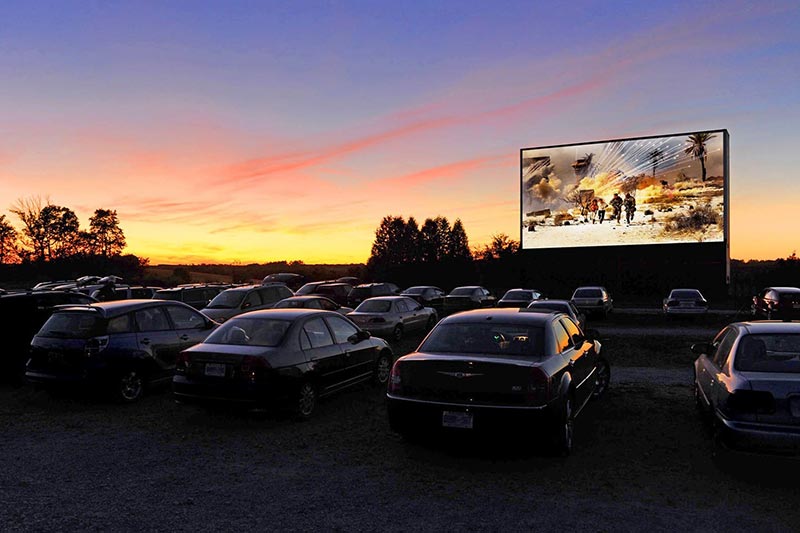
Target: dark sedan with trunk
499, 370
280, 357
468, 297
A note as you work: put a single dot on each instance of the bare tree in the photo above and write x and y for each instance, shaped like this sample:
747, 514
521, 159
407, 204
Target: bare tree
28, 210
8, 241
580, 198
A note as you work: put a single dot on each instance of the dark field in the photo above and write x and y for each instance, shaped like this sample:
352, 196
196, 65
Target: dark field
643, 460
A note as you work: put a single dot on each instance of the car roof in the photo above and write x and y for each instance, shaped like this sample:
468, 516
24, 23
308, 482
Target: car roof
249, 287
120, 307
390, 298
591, 287
287, 313
551, 300
504, 315
783, 289
769, 326
308, 297
468, 287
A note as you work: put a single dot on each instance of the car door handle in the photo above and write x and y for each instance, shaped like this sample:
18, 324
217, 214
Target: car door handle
184, 337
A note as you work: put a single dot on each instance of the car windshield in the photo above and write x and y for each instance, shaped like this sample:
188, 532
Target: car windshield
415, 290
244, 331
374, 306
517, 295
486, 339
226, 300
308, 288
685, 294
167, 295
589, 293
462, 291
776, 352
72, 325
550, 306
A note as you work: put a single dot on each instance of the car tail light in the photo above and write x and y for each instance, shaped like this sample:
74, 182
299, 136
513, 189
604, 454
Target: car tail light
253, 366
377, 320
183, 362
750, 401
395, 382
538, 387
95, 345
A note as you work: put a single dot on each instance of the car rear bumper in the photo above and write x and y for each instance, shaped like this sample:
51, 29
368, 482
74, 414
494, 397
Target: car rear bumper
754, 435
188, 390
411, 415
686, 310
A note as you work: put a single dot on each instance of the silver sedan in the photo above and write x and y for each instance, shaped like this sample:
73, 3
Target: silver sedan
390, 317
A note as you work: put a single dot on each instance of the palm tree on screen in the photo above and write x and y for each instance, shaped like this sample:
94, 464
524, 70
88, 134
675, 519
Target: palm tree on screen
696, 147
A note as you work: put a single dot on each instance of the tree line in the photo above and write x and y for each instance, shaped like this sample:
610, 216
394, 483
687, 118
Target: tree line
50, 232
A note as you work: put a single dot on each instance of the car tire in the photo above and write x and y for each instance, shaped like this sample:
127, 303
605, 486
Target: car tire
564, 430
129, 386
383, 367
397, 333
305, 401
602, 378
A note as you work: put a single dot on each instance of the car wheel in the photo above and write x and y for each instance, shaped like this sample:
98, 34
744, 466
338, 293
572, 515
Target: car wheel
564, 429
397, 333
431, 323
129, 386
383, 367
602, 378
306, 401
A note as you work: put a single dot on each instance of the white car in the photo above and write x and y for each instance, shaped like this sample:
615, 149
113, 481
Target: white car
593, 300
685, 302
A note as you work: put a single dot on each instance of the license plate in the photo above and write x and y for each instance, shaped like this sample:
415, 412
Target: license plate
215, 369
456, 419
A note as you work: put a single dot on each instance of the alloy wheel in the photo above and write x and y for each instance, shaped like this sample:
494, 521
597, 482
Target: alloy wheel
130, 386
307, 400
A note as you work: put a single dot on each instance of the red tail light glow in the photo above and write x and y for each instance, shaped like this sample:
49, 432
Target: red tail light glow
395, 385
253, 366
183, 362
539, 386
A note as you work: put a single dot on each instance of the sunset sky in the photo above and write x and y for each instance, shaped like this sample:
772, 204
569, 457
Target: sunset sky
261, 131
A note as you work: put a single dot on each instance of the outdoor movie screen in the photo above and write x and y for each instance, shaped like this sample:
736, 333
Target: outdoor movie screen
654, 190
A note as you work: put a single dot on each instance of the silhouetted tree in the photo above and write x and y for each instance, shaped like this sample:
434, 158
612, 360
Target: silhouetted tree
411, 242
60, 228
28, 210
107, 238
458, 246
387, 249
500, 247
655, 155
8, 241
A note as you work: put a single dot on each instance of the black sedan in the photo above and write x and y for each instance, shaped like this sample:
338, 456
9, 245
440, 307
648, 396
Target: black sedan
519, 298
559, 306
748, 381
280, 357
497, 370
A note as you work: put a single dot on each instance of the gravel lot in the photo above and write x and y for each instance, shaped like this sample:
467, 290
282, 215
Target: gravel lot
643, 460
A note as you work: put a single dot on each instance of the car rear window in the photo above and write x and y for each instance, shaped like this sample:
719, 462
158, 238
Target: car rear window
168, 295
588, 293
486, 339
518, 295
374, 306
72, 325
415, 290
462, 291
360, 292
768, 353
685, 295
250, 332
227, 300
562, 308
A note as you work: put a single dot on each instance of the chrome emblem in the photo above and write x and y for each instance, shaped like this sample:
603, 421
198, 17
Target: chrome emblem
460, 375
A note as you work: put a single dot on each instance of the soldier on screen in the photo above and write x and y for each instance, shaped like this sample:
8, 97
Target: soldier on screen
630, 207
616, 205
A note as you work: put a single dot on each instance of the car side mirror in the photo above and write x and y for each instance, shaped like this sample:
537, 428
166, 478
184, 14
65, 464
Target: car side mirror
358, 336
578, 339
701, 348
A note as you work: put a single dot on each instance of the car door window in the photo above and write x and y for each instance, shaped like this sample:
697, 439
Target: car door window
185, 318
562, 338
323, 304
120, 324
152, 319
318, 334
723, 349
571, 328
253, 299
269, 295
342, 329
400, 306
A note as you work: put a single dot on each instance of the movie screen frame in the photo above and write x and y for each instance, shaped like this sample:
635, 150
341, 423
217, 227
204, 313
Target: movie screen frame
678, 186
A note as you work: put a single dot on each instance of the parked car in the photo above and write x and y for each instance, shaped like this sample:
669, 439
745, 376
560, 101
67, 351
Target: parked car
519, 298
123, 346
336, 291
685, 302
469, 297
238, 300
134, 293
391, 317
280, 357
427, 295
371, 290
748, 381
312, 302
595, 300
293, 281
559, 306
352, 280
498, 370
198, 296
21, 316
781, 303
